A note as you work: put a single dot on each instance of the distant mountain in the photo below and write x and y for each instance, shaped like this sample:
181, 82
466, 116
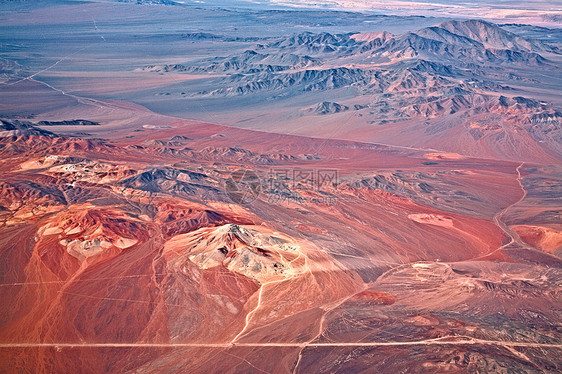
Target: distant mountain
327, 107
438, 44
492, 36
440, 49
15, 128
150, 2
463, 70
369, 37
305, 80
544, 34
372, 40
308, 42
205, 36
247, 62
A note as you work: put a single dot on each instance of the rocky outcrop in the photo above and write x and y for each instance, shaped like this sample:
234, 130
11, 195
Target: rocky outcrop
252, 251
327, 107
15, 128
75, 122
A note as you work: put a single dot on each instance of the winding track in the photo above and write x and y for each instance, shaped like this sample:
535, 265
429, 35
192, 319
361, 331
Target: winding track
514, 238
512, 235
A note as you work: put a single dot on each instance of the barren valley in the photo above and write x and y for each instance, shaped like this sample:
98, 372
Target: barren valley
208, 188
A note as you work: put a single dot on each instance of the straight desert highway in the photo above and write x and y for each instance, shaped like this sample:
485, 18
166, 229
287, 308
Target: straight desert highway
280, 186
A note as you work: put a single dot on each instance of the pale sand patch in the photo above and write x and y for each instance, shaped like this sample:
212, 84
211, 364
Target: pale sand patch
72, 231
49, 229
52, 231
443, 156
431, 219
125, 243
421, 265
